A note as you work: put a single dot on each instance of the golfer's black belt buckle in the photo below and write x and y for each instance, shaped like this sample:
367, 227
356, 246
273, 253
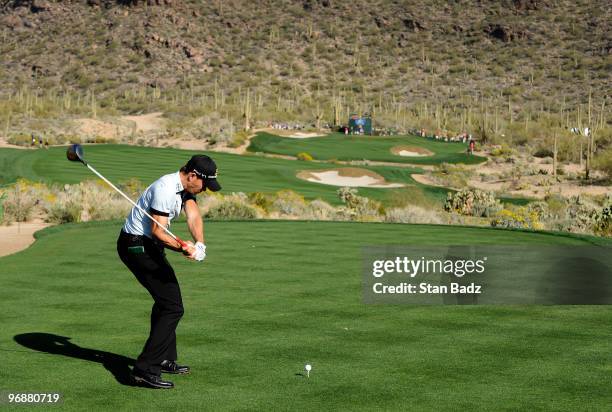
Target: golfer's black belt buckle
136, 250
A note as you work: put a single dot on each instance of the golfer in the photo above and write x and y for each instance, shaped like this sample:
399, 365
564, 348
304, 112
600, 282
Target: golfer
141, 246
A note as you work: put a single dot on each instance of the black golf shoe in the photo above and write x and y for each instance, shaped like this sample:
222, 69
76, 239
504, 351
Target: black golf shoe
150, 380
170, 366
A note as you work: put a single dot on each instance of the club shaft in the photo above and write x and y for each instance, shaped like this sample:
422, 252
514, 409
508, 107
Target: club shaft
134, 203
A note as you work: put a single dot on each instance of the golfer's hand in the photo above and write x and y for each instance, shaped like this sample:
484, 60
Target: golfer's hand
200, 252
189, 250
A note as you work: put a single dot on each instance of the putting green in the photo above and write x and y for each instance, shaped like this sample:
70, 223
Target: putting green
273, 296
341, 147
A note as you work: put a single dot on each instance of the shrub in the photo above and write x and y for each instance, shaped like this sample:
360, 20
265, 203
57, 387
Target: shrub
89, 200
541, 153
101, 139
213, 127
132, 187
577, 214
320, 210
288, 202
2, 199
446, 168
412, 214
472, 202
580, 214
502, 150
517, 218
234, 206
260, 200
21, 201
451, 175
603, 162
348, 196
556, 205
603, 222
358, 207
541, 210
20, 139
305, 157
101, 206
238, 138
59, 139
64, 212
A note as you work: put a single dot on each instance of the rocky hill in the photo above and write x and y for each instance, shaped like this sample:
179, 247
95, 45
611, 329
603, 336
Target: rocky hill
527, 49
456, 65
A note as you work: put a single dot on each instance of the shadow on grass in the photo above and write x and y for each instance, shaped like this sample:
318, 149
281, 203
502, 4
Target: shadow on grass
118, 365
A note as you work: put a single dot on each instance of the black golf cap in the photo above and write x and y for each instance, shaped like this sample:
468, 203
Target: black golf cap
204, 167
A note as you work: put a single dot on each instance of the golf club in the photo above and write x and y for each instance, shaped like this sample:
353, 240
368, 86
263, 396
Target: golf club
75, 154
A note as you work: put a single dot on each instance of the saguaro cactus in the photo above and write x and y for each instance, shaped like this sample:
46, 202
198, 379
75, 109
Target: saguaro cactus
247, 110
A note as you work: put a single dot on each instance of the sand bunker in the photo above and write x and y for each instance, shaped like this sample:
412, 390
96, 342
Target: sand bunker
347, 177
18, 236
411, 151
300, 135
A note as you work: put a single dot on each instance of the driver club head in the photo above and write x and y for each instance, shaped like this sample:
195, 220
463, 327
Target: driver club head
75, 153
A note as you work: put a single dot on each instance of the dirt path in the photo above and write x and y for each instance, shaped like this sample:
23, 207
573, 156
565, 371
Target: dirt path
96, 127
243, 147
123, 126
4, 143
187, 144
17, 237
149, 122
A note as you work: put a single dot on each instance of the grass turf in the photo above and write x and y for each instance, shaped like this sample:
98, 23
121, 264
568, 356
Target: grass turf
272, 296
236, 173
118, 163
341, 147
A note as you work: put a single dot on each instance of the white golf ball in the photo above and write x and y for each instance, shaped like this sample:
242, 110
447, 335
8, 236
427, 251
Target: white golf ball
308, 367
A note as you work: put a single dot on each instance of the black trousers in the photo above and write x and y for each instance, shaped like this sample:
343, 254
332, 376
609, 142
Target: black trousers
147, 261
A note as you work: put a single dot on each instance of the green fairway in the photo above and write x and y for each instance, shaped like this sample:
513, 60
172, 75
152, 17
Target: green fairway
341, 147
236, 173
273, 296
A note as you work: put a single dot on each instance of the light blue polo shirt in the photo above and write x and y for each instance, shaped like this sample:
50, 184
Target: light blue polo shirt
163, 197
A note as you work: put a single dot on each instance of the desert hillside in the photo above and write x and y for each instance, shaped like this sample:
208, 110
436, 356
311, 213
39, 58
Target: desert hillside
534, 52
